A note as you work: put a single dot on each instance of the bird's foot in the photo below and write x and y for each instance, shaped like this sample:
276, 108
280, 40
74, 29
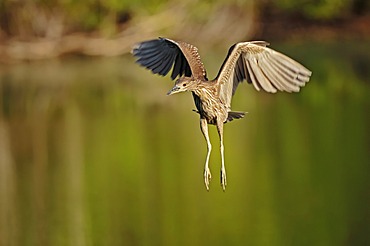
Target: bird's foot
207, 177
223, 178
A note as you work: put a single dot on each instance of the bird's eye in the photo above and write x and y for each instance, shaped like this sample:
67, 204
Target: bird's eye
184, 84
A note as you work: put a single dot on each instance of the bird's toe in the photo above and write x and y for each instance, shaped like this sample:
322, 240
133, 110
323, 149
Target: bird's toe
207, 177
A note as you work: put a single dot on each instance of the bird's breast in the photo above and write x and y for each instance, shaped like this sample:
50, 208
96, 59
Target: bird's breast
209, 106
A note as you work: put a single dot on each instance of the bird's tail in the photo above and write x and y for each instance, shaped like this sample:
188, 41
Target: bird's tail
231, 115
235, 115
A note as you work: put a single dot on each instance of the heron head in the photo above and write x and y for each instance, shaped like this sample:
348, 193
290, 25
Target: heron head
183, 84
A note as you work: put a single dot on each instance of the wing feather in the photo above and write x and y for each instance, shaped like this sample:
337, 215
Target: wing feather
261, 66
160, 61
149, 62
177, 67
286, 72
279, 81
263, 81
160, 55
196, 67
160, 69
255, 83
168, 66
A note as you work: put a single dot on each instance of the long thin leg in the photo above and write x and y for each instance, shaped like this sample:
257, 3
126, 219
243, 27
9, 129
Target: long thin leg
220, 129
207, 172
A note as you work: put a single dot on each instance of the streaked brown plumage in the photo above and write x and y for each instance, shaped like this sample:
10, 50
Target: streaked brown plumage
251, 61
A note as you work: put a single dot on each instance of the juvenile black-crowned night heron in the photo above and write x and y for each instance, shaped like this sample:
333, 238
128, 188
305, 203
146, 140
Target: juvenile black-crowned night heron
252, 61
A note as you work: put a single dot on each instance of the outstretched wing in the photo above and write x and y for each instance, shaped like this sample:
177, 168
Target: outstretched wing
261, 66
160, 55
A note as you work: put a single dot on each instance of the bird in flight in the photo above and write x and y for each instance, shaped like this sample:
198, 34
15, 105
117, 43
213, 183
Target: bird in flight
254, 62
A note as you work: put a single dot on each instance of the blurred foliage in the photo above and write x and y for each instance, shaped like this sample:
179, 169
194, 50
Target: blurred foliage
323, 9
53, 18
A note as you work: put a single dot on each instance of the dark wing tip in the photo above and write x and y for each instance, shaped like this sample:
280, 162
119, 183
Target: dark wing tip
154, 55
160, 55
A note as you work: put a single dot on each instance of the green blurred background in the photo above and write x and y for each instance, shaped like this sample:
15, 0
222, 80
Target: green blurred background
92, 152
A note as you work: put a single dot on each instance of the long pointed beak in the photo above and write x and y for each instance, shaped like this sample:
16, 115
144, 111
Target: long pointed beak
174, 90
